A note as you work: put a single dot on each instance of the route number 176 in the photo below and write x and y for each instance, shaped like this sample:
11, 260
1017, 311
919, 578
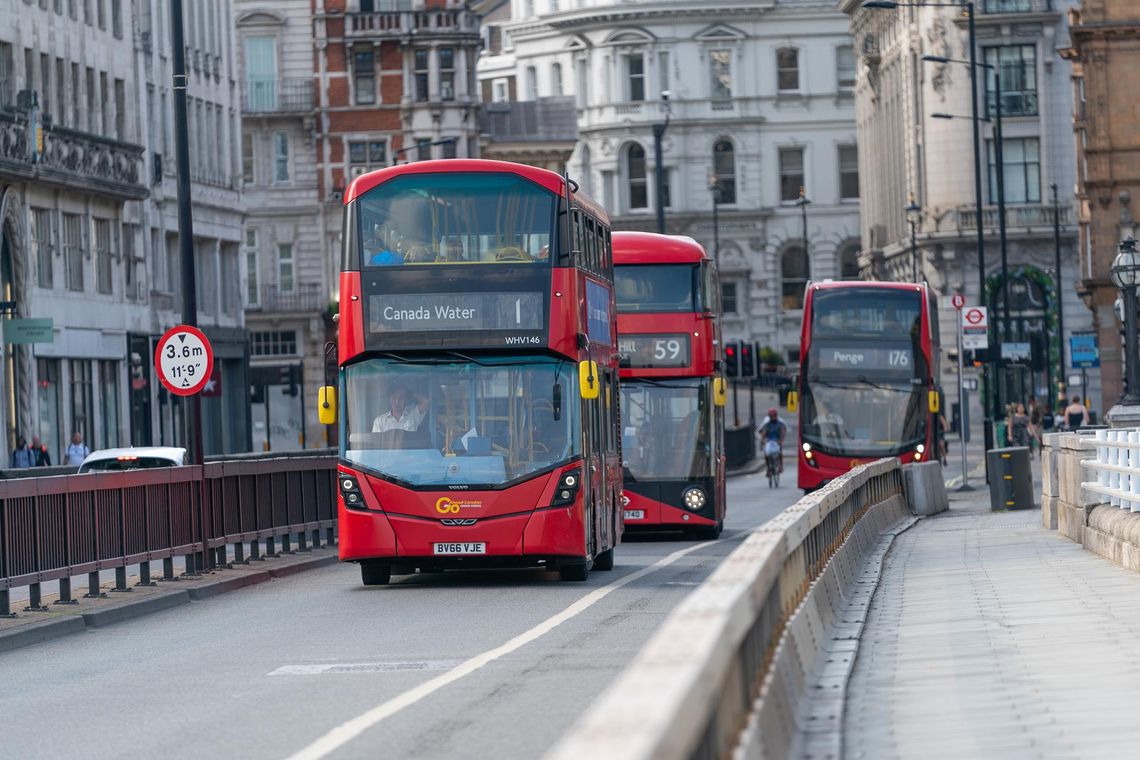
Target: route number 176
898, 359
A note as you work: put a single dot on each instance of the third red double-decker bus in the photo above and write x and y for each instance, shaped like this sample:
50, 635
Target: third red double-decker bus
672, 390
867, 386
478, 373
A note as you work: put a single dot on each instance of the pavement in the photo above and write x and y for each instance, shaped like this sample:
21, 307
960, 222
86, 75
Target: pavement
453, 665
990, 637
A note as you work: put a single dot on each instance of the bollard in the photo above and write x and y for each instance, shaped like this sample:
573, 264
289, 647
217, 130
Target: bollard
65, 592
144, 575
121, 580
93, 590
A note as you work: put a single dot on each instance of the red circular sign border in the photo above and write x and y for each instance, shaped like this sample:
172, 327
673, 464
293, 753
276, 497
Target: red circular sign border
958, 297
966, 315
209, 360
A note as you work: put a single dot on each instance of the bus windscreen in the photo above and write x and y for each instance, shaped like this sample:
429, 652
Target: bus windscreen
656, 287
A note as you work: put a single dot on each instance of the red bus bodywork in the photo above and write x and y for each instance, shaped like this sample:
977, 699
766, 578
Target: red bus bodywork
528, 521
816, 464
656, 501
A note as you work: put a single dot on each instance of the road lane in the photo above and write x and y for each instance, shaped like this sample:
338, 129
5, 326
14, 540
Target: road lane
265, 671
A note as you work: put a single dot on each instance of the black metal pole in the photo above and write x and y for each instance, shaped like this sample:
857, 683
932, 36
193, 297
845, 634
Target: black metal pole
659, 172
1063, 390
716, 226
999, 159
803, 219
1132, 394
186, 245
913, 253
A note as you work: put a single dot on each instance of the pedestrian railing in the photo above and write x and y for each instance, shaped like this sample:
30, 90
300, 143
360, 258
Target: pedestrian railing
58, 528
724, 675
1115, 468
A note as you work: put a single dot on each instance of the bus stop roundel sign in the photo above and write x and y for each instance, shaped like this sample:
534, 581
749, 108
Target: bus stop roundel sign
184, 360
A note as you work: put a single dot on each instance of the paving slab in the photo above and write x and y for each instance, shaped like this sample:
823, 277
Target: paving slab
992, 637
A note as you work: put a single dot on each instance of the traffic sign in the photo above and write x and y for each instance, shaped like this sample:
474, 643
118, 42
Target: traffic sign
976, 317
184, 360
958, 300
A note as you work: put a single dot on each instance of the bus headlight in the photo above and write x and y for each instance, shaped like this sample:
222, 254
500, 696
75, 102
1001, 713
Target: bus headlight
920, 448
806, 447
350, 492
567, 490
694, 499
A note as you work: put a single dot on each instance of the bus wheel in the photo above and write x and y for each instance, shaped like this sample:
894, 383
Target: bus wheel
375, 574
578, 571
605, 560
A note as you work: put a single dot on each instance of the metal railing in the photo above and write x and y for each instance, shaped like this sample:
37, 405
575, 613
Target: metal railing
57, 528
1115, 467
1016, 6
698, 687
305, 297
270, 95
1027, 216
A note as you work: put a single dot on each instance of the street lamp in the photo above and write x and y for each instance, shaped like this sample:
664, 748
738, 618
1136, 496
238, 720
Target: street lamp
658, 160
803, 204
714, 188
1126, 275
913, 216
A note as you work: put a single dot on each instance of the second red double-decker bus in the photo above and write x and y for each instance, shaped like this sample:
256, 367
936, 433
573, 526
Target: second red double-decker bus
478, 373
867, 386
672, 389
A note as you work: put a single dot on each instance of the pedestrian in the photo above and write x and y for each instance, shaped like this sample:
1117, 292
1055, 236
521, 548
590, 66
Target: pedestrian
1021, 430
1076, 414
43, 458
22, 456
77, 451
943, 447
1036, 414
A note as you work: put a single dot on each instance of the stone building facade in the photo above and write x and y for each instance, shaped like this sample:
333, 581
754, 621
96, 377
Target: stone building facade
908, 151
760, 100
1105, 54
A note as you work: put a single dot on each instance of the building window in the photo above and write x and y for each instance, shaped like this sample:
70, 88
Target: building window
449, 148
582, 75
556, 79
363, 77
101, 6
724, 171
41, 243
663, 69
285, 280
720, 70
634, 70
73, 251
531, 83
47, 383
7, 75
252, 291
635, 171
103, 269
367, 156
109, 404
1022, 175
117, 18
280, 157
423, 149
794, 275
421, 74
261, 73
120, 107
447, 73
500, 92
849, 262
247, 158
791, 173
845, 67
728, 297
848, 172
273, 343
82, 400
1018, 64
787, 69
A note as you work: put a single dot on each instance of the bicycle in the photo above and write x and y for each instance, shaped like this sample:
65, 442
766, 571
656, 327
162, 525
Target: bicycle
772, 463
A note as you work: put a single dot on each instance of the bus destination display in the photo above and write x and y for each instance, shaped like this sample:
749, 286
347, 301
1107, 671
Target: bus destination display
652, 351
423, 312
882, 358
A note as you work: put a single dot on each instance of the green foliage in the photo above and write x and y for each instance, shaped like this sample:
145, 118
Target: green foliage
771, 356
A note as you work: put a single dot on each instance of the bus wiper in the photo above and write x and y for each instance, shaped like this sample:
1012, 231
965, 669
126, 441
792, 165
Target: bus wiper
399, 359
852, 387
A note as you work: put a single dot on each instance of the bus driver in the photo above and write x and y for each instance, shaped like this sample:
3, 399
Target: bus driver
400, 416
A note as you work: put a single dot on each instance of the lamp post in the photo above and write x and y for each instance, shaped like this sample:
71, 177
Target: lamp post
1126, 275
803, 204
913, 215
714, 188
658, 161
1062, 390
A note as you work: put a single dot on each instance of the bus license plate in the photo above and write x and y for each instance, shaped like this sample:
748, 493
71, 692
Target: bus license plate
461, 548
635, 514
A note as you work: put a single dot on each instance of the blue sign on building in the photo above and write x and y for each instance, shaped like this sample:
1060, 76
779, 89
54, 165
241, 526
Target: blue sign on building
1083, 350
598, 313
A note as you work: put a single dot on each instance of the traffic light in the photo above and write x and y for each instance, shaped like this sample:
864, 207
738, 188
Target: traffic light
747, 359
732, 358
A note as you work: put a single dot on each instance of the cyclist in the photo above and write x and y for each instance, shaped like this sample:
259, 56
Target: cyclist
772, 433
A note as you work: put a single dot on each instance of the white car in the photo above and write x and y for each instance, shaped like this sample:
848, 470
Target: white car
143, 457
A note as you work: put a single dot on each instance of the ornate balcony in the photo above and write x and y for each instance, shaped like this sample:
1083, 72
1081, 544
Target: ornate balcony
404, 22
277, 96
305, 297
1036, 216
1016, 6
72, 159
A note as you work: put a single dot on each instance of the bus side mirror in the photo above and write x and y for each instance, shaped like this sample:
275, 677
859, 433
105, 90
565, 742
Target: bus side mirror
720, 391
793, 401
326, 405
589, 385
933, 402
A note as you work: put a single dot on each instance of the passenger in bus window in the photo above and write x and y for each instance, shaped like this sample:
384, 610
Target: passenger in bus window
452, 250
400, 416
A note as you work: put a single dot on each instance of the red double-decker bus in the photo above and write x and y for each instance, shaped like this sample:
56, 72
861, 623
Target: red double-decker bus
478, 373
672, 389
869, 362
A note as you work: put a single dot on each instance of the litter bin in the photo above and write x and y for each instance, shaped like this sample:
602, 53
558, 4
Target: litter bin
1011, 479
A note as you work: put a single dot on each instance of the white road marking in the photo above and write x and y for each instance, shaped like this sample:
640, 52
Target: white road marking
363, 667
346, 732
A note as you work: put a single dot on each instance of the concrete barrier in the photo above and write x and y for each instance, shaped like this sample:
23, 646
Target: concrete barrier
734, 660
925, 488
